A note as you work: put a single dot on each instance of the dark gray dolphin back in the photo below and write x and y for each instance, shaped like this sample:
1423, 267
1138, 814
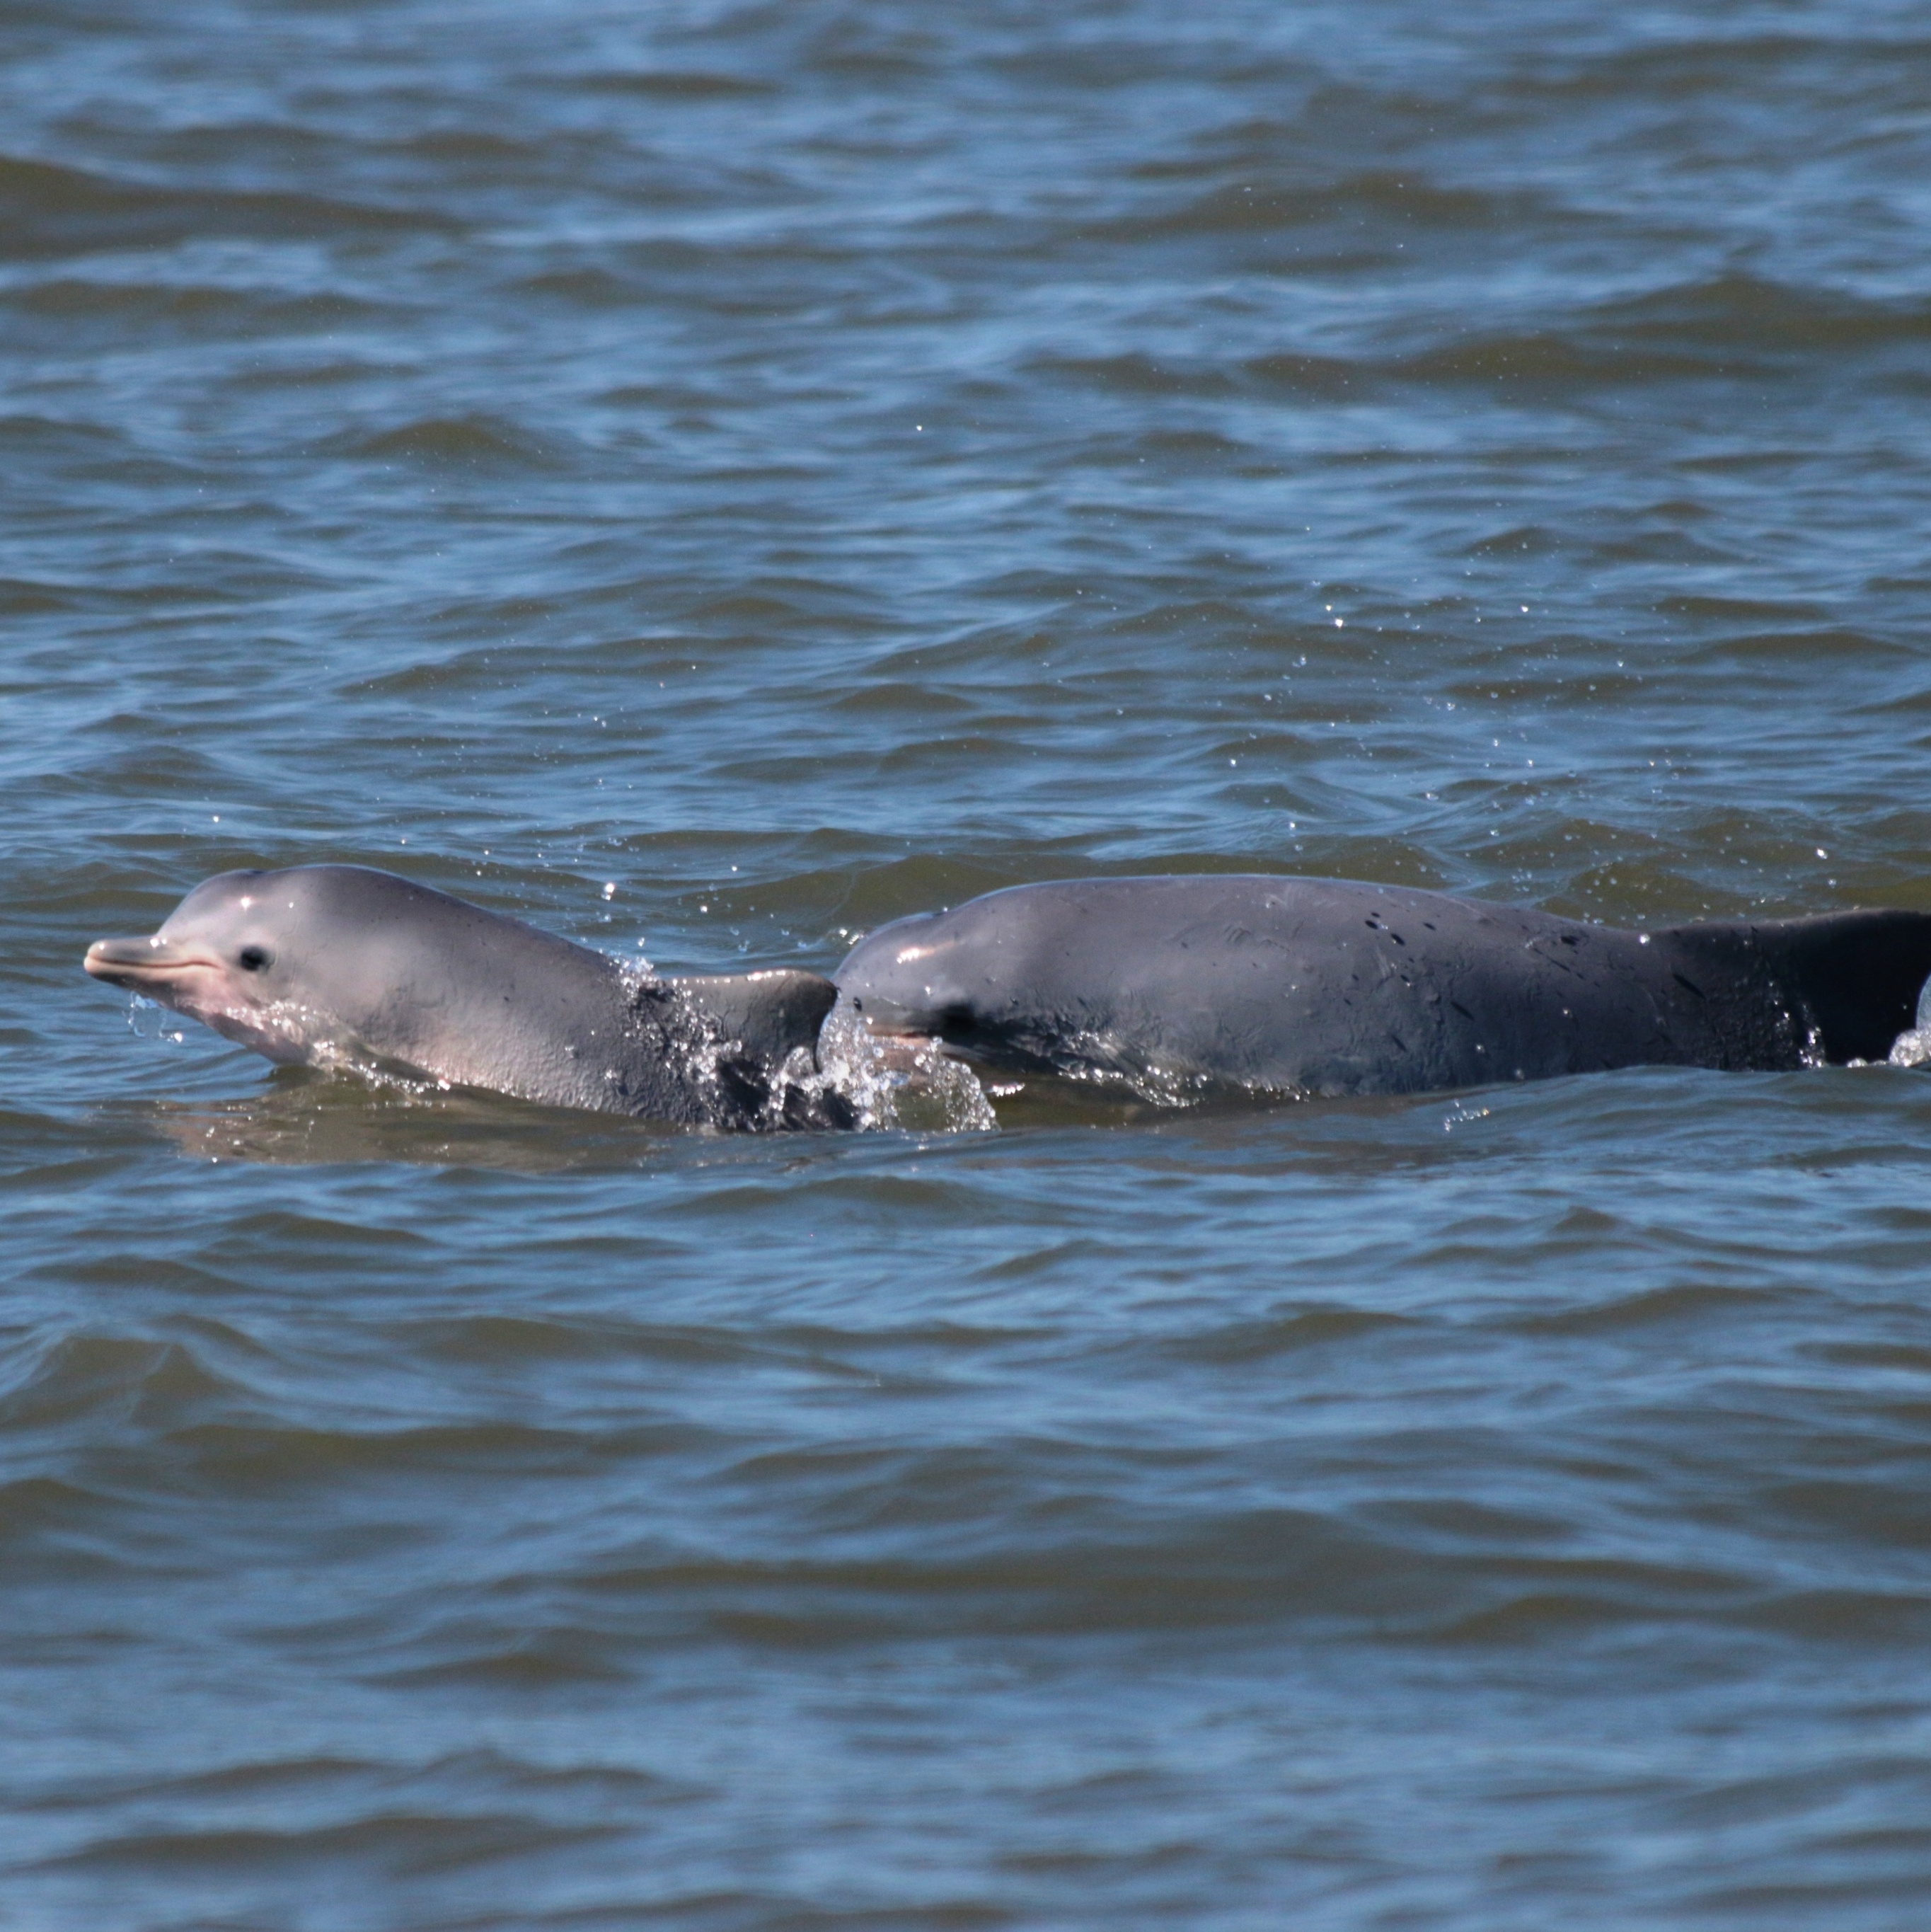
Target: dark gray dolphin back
1852, 979
1315, 986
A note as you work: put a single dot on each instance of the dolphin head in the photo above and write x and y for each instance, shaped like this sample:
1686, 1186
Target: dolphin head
905, 980
967, 978
1006, 979
268, 959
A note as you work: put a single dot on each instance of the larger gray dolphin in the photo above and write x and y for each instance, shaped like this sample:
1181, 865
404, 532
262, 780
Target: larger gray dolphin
341, 965
1180, 985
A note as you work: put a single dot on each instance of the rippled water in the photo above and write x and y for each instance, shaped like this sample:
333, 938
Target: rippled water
717, 476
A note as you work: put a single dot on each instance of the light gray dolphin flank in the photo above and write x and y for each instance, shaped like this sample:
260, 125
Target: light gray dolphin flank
339, 965
1176, 986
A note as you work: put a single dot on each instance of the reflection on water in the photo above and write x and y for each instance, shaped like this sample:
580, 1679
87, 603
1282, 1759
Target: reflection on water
300, 1115
308, 1114
303, 1115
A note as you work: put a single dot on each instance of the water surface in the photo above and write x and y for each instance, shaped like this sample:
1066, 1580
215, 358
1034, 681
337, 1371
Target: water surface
712, 478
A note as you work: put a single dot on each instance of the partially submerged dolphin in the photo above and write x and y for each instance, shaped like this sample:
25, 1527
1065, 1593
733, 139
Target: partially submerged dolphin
1180, 986
1173, 987
341, 965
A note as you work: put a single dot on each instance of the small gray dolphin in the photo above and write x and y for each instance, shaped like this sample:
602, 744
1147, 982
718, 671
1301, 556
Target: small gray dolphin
339, 965
1178, 986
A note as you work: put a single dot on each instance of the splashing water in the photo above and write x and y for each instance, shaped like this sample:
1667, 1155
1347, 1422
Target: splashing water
908, 1085
1913, 1047
147, 1019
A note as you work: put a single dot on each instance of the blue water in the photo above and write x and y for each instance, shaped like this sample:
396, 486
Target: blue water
710, 478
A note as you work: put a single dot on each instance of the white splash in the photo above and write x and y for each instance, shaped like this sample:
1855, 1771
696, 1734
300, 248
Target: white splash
1913, 1047
908, 1085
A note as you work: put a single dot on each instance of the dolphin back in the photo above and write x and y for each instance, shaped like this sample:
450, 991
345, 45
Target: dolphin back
758, 1034
1850, 981
1265, 983
772, 1014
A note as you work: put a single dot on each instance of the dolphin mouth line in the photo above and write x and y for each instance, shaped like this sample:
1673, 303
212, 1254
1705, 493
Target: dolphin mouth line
894, 1029
145, 962
902, 1044
890, 1026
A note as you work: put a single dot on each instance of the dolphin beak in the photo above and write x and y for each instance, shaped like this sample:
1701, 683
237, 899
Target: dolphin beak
902, 1035
139, 963
886, 1019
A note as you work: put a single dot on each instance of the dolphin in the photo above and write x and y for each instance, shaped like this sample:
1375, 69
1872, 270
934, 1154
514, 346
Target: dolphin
1180, 986
340, 965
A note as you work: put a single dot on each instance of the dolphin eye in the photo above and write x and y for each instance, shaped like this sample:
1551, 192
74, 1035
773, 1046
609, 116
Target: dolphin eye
252, 959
